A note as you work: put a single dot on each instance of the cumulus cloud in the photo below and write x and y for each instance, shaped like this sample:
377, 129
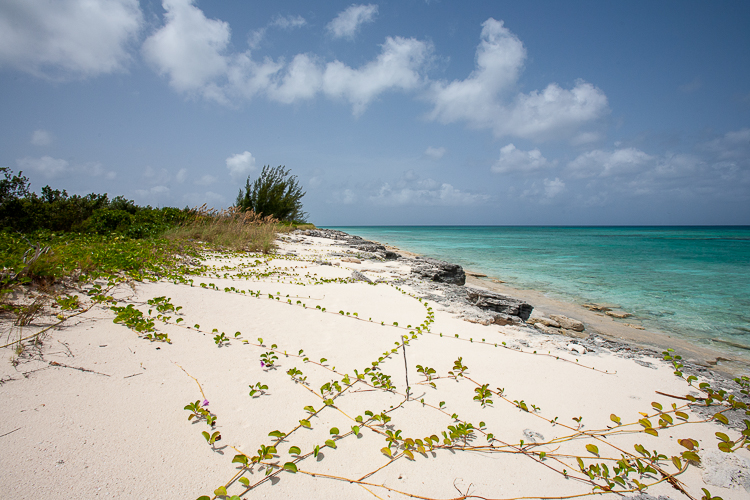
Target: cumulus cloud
57, 167
411, 189
346, 24
435, 153
553, 187
626, 161
192, 51
152, 193
68, 38
487, 98
513, 159
396, 67
189, 48
46, 165
181, 175
41, 138
288, 22
153, 176
205, 180
240, 165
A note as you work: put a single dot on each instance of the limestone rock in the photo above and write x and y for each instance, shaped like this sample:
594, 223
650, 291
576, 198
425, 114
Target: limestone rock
484, 299
568, 323
577, 348
357, 276
726, 470
573, 333
438, 270
547, 329
544, 321
618, 314
353, 260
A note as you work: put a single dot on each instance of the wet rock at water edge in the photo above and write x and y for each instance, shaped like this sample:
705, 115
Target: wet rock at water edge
568, 323
484, 299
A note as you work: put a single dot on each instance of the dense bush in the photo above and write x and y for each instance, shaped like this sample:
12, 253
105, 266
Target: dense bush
54, 210
275, 193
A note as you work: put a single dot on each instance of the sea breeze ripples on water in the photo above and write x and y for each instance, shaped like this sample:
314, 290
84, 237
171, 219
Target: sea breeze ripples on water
693, 282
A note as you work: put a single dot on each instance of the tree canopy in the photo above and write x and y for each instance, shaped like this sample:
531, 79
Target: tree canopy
275, 193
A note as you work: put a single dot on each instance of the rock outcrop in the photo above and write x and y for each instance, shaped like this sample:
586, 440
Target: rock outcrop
484, 299
438, 270
568, 323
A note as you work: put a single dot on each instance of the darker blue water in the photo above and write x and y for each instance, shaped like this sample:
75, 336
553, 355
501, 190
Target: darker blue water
693, 282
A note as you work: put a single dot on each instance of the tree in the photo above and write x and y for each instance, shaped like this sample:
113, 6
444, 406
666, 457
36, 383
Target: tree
274, 193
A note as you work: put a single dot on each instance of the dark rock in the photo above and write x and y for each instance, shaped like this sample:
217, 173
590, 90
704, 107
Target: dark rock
440, 271
357, 276
484, 299
391, 255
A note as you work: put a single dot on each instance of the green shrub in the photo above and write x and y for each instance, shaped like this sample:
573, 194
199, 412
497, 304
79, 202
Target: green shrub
275, 193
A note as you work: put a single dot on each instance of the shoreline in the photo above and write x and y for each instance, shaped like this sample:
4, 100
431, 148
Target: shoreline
357, 376
722, 361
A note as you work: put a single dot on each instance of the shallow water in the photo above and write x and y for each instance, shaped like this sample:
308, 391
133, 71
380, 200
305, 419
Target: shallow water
692, 282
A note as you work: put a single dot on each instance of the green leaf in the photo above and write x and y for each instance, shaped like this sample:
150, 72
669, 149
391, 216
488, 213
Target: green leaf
239, 459
331, 443
323, 360
722, 436
245, 481
592, 449
334, 431
305, 423
651, 431
276, 434
316, 451
355, 429
721, 418
409, 454
291, 467
614, 418
386, 451
691, 455
295, 450
204, 497
310, 409
220, 491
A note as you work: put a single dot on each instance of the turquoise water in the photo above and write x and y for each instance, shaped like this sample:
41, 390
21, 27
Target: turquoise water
693, 282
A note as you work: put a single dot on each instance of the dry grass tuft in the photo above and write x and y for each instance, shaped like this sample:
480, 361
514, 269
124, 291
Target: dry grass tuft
231, 228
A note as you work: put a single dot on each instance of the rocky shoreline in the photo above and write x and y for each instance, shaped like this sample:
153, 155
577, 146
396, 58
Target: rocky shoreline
445, 284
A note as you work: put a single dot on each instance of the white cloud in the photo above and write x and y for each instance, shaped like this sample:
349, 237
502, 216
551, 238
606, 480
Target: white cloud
435, 153
56, 167
152, 192
513, 159
240, 165
154, 176
46, 165
41, 138
206, 180
181, 175
396, 67
626, 161
288, 22
485, 99
191, 50
189, 47
68, 38
553, 187
348, 21
412, 190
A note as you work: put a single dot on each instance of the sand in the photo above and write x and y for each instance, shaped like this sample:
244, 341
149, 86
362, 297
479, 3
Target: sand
96, 410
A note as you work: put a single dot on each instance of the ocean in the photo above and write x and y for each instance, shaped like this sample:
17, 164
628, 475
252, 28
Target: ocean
691, 282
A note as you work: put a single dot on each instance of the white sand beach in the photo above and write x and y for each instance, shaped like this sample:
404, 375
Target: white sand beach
96, 410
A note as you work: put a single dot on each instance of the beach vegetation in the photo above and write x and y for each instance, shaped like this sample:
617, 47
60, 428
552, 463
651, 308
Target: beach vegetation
275, 193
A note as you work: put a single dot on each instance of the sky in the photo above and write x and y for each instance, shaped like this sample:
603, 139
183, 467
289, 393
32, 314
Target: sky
406, 112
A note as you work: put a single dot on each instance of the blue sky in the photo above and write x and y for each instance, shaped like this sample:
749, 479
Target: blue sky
400, 112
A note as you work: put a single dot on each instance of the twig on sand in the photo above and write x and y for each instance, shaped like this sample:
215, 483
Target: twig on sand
11, 432
55, 363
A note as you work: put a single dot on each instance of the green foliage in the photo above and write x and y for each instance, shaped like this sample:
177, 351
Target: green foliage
275, 193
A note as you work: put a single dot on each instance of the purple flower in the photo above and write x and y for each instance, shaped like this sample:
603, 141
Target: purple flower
262, 365
205, 402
